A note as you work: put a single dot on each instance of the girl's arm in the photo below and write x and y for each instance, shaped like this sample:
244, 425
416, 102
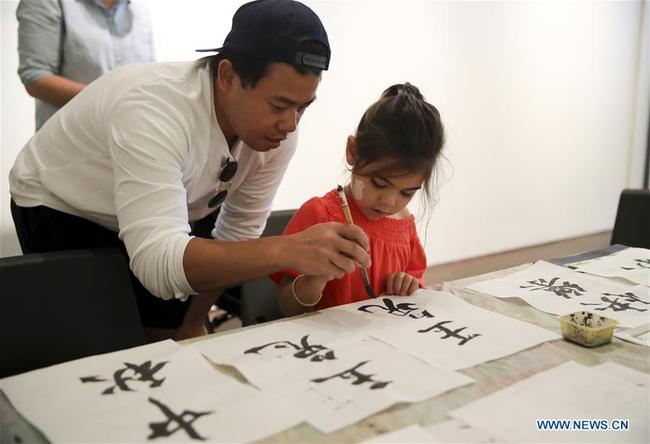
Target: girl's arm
303, 296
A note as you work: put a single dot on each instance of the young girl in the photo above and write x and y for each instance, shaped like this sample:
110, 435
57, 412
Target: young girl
392, 156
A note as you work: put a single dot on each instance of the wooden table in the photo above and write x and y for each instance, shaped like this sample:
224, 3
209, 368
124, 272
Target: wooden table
490, 376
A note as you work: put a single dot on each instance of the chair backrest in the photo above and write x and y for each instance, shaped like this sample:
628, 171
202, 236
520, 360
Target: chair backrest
64, 305
277, 222
259, 297
632, 226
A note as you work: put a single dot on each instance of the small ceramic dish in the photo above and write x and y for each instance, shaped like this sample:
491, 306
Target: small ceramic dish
586, 328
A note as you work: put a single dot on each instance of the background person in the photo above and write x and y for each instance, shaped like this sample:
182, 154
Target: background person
65, 45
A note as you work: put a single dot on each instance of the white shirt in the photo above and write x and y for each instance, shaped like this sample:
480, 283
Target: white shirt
140, 150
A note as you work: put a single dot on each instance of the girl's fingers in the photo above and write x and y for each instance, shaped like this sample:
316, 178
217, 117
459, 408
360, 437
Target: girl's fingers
397, 284
389, 284
401, 284
406, 283
414, 286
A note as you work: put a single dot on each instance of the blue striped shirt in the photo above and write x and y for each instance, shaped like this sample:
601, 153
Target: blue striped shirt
79, 40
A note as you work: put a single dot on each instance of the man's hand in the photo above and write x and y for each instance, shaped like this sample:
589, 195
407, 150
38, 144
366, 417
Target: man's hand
329, 249
332, 249
195, 316
401, 284
189, 330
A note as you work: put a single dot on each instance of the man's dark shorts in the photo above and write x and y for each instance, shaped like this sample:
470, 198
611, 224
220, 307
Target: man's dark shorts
42, 229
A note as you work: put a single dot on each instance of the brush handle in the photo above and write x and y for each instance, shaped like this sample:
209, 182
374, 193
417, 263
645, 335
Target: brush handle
346, 207
348, 218
364, 275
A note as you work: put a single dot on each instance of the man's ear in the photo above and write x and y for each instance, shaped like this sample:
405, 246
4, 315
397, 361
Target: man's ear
351, 151
226, 75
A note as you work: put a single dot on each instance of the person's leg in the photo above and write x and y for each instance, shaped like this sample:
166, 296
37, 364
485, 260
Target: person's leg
196, 320
42, 229
22, 229
160, 318
230, 299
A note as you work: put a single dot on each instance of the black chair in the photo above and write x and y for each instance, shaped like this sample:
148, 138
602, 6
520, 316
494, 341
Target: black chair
256, 301
632, 226
65, 305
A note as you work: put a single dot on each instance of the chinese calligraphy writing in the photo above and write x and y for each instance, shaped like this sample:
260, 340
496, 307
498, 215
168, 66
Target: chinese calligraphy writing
130, 372
183, 421
448, 333
614, 304
566, 289
303, 350
359, 378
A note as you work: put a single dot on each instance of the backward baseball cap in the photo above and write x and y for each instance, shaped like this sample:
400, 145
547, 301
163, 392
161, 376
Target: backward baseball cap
280, 31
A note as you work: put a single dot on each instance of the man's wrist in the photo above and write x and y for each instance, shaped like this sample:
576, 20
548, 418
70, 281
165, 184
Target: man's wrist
278, 249
200, 306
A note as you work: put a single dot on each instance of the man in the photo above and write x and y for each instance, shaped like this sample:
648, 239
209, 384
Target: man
146, 150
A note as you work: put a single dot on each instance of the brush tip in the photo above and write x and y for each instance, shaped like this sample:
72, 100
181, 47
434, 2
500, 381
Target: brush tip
370, 291
339, 188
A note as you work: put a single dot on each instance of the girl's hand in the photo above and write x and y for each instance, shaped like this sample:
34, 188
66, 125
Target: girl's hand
401, 284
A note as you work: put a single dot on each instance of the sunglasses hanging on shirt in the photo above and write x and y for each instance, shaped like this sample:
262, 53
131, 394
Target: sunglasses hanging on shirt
225, 177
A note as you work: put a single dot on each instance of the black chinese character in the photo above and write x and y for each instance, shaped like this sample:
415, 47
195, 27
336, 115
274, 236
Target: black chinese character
564, 290
448, 333
614, 304
359, 378
164, 429
640, 263
401, 309
122, 376
304, 350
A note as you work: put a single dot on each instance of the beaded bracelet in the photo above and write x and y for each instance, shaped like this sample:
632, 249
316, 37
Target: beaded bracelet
293, 291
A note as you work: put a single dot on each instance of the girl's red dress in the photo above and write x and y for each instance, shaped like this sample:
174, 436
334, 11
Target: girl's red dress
394, 246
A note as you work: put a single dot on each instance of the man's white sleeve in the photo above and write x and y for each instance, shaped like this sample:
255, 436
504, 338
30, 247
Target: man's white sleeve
244, 213
149, 142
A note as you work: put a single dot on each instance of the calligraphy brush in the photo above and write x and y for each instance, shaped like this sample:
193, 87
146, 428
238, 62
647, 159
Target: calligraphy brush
348, 218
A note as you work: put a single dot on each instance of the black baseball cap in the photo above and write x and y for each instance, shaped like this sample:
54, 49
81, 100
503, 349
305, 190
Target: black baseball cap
279, 31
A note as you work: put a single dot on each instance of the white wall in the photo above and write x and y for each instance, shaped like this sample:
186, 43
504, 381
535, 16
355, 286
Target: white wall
641, 120
542, 102
16, 120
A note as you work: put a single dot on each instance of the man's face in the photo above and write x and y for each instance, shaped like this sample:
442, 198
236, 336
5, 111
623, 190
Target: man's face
264, 115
